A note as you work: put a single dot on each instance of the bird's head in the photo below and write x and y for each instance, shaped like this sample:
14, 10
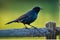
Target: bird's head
37, 9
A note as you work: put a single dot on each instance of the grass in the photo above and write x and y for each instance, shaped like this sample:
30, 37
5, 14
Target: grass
22, 38
25, 38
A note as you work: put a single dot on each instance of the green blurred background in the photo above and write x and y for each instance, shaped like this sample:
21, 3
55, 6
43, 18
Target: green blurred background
12, 9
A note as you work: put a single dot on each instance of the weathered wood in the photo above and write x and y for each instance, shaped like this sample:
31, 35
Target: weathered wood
51, 26
57, 30
24, 32
49, 32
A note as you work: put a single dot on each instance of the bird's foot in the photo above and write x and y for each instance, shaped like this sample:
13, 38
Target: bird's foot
26, 28
34, 27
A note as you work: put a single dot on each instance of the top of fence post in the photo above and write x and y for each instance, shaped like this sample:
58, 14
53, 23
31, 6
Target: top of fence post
51, 25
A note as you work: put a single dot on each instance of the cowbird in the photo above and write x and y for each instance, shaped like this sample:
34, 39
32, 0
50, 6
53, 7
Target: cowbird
28, 18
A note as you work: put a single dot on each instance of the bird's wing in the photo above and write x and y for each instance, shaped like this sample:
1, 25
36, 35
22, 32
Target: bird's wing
28, 14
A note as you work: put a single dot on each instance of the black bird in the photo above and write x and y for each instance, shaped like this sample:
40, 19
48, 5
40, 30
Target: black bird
29, 17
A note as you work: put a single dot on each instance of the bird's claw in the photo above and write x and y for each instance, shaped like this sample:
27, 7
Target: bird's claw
34, 27
26, 28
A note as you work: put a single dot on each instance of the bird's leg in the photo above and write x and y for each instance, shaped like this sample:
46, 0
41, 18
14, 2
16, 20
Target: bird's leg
25, 27
33, 26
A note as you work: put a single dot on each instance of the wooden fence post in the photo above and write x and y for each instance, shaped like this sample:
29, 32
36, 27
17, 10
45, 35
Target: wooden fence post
51, 27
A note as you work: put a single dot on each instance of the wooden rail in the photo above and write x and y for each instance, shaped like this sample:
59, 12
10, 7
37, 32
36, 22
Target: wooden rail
50, 32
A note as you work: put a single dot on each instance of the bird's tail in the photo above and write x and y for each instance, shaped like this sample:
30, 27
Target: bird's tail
9, 22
